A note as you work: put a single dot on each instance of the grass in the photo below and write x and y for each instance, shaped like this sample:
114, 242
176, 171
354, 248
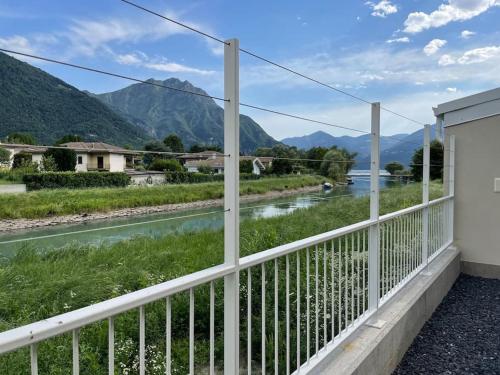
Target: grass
35, 285
47, 203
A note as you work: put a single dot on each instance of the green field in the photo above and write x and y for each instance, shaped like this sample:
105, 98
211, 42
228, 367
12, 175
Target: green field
34, 286
46, 203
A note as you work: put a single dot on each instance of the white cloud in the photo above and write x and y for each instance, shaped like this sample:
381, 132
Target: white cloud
466, 34
433, 46
479, 55
474, 56
19, 44
446, 60
451, 89
160, 64
404, 39
452, 10
382, 8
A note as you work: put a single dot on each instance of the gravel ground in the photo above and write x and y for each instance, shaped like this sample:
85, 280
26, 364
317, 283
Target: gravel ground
463, 334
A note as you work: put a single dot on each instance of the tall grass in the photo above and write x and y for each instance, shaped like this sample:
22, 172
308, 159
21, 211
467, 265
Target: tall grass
35, 285
46, 203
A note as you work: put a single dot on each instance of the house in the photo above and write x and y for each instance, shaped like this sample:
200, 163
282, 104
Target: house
36, 152
99, 156
474, 121
216, 163
90, 156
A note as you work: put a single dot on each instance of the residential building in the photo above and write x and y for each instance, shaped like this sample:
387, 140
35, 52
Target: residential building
36, 152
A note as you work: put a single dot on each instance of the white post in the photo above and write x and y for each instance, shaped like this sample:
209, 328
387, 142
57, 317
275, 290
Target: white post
451, 184
425, 195
373, 243
231, 205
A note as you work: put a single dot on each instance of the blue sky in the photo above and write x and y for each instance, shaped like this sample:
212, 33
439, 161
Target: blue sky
409, 55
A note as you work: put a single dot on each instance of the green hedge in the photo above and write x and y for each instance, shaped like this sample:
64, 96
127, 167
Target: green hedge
193, 177
74, 180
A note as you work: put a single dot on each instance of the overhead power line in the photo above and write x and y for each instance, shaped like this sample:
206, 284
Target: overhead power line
290, 70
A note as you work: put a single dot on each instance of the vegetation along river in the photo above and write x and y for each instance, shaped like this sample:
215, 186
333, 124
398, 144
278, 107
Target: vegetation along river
159, 225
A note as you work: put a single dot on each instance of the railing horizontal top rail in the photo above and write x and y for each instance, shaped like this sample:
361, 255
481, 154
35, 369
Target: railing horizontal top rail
57, 325
267, 255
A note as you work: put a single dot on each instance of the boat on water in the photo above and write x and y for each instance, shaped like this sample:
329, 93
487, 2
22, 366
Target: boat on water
350, 181
327, 186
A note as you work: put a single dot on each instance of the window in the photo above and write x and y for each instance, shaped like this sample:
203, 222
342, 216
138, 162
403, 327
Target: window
80, 160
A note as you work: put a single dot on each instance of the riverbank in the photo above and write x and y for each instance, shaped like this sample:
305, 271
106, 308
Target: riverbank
59, 202
23, 224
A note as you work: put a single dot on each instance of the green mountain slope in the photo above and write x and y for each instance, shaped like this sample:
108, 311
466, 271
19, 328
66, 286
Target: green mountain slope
194, 118
35, 102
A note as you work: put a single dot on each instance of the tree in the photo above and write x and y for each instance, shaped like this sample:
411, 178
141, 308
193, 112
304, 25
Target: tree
21, 138
436, 161
170, 165
174, 143
4, 156
313, 154
68, 138
246, 166
394, 167
205, 169
201, 148
337, 163
48, 163
154, 146
24, 160
65, 159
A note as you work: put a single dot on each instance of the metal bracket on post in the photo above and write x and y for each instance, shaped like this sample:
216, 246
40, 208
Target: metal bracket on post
425, 198
231, 206
373, 243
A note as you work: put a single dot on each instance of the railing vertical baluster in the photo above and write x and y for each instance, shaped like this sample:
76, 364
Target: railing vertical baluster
340, 286
287, 313
191, 331
298, 311
333, 290
231, 206
308, 310
263, 318
76, 351
325, 335
316, 300
34, 359
374, 245
212, 328
365, 260
357, 277
249, 321
111, 346
276, 317
346, 278
142, 341
352, 278
382, 258
168, 335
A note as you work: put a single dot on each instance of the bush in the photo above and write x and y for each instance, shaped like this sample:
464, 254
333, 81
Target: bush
4, 156
64, 159
73, 180
165, 165
193, 178
22, 160
246, 166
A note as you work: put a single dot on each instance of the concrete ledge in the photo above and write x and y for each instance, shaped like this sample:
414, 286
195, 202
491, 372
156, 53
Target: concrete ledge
489, 271
377, 351
12, 188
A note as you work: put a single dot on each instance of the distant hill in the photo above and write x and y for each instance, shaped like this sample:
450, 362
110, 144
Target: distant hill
361, 144
35, 102
195, 119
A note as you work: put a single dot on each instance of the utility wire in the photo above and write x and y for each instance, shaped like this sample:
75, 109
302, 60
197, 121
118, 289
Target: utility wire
269, 61
302, 118
111, 74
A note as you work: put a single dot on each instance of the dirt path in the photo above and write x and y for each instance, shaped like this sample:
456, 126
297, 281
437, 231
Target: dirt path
20, 224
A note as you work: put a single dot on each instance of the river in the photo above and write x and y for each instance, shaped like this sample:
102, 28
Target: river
157, 225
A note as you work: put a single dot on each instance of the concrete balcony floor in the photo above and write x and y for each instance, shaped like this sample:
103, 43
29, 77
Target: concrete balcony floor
463, 334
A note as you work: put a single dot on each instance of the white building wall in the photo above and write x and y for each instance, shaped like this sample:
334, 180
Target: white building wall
116, 163
83, 167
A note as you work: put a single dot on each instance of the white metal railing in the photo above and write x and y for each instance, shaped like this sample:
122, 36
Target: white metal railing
281, 310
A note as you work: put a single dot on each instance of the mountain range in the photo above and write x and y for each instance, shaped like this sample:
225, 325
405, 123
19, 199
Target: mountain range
33, 101
195, 118
397, 147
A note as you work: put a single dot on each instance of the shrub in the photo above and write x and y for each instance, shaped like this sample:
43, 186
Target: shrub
205, 169
4, 156
246, 166
193, 178
74, 180
64, 159
165, 165
48, 163
22, 160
